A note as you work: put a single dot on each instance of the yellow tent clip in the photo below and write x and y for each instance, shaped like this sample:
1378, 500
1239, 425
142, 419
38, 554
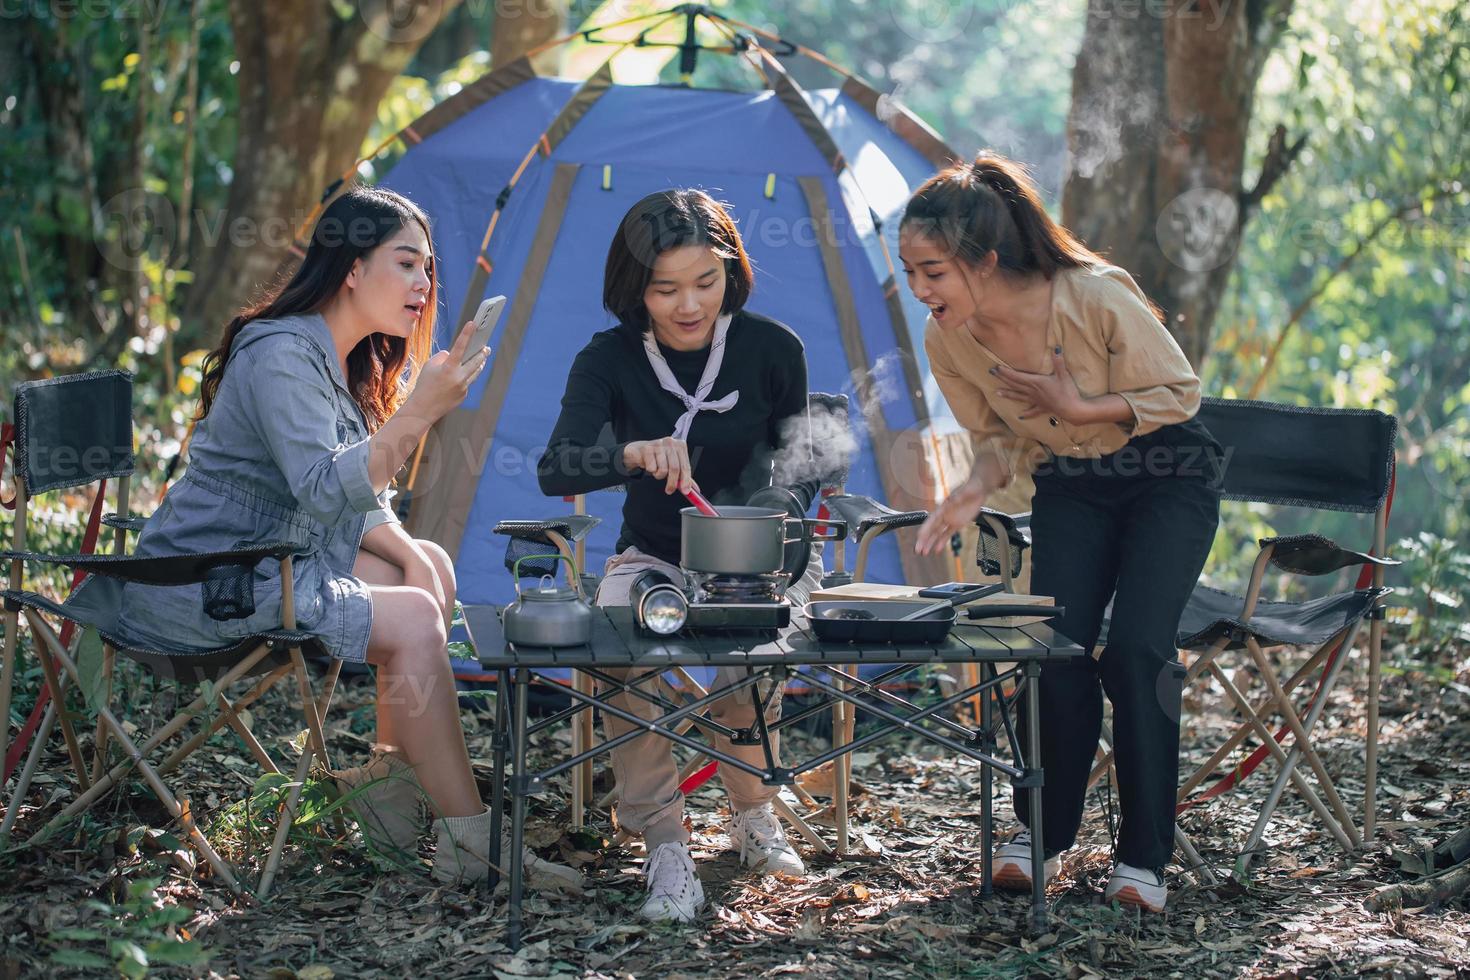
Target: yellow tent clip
607, 176
770, 187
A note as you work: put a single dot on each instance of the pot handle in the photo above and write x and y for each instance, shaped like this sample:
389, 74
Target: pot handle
806, 530
515, 570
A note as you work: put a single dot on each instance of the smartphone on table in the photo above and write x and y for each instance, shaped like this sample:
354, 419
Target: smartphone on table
486, 317
956, 590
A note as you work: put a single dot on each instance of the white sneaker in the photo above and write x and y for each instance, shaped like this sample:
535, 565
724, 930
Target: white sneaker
674, 891
1011, 866
757, 835
1137, 886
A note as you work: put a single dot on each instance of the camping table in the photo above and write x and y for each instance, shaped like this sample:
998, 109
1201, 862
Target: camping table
617, 643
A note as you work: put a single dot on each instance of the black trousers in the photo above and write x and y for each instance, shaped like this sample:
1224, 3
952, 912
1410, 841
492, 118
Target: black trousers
1135, 528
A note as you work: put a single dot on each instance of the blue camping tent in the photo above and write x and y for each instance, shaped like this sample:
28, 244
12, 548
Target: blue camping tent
526, 178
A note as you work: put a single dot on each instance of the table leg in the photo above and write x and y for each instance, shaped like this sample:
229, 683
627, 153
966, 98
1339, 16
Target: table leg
497, 787
839, 771
519, 787
1035, 778
579, 745
987, 784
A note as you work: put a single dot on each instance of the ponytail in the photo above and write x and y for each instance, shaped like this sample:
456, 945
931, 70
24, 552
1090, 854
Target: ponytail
992, 205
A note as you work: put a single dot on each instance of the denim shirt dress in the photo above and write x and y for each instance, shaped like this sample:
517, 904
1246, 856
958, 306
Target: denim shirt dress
282, 456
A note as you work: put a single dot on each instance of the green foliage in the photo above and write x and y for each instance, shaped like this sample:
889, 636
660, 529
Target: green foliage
984, 73
49, 197
460, 649
1366, 234
135, 937
1438, 589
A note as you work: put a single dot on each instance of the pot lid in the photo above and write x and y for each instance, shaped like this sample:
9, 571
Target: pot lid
546, 590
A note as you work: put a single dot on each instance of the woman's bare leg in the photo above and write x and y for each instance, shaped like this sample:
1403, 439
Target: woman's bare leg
418, 707
375, 570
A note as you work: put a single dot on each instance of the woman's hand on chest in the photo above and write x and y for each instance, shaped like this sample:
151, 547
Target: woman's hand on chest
1055, 394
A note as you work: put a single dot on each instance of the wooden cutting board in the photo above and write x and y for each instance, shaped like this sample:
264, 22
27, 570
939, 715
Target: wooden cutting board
866, 591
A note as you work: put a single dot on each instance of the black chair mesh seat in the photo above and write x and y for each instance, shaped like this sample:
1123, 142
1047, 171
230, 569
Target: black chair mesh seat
1213, 613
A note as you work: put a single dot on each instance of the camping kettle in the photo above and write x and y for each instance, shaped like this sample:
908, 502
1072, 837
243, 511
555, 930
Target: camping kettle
548, 615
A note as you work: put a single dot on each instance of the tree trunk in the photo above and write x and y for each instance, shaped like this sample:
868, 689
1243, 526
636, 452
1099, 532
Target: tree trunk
74, 205
519, 27
311, 77
129, 256
462, 33
1156, 135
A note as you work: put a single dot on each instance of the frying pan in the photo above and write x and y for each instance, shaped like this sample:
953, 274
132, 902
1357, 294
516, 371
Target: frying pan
881, 620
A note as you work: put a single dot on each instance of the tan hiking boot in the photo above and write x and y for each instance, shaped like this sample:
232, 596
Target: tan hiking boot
386, 800
463, 857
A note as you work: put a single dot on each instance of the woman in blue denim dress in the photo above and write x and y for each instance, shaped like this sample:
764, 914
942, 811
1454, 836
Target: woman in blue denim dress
310, 405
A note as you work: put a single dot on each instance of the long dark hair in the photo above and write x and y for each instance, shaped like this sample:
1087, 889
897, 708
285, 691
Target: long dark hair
350, 228
660, 223
991, 204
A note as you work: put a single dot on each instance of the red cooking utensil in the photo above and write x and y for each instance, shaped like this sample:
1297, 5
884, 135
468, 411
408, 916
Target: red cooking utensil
700, 504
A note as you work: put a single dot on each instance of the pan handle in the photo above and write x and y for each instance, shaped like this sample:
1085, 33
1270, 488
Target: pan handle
806, 530
997, 611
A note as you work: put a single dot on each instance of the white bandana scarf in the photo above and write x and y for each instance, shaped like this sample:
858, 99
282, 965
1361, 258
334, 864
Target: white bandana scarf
695, 403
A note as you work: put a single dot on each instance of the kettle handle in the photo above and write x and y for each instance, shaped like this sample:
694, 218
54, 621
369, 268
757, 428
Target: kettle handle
515, 570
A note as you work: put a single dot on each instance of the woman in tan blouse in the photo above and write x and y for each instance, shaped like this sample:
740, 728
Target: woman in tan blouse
1058, 365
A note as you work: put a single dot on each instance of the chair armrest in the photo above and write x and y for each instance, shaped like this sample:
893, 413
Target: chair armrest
863, 514
1017, 526
1312, 554
1002, 542
133, 525
158, 569
572, 527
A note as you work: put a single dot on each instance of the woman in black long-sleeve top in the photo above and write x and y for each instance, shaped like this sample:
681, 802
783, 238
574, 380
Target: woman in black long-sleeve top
698, 393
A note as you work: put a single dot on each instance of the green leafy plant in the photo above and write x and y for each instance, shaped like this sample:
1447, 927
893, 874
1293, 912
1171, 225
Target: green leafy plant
134, 938
1438, 570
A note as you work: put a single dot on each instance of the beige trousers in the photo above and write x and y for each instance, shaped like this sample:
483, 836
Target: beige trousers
649, 801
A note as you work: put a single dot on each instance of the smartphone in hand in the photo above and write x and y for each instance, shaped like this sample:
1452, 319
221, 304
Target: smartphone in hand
486, 317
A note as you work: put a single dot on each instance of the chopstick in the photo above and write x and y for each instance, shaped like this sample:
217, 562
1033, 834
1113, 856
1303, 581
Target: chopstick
703, 506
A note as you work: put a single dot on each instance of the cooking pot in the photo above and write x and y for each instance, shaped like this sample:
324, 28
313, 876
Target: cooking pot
548, 615
746, 540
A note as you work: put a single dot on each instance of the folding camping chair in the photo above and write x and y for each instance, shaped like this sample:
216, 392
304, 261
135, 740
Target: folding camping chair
1322, 459
11, 752
74, 431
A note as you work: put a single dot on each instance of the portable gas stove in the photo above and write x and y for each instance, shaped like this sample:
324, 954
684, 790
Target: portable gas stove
738, 602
